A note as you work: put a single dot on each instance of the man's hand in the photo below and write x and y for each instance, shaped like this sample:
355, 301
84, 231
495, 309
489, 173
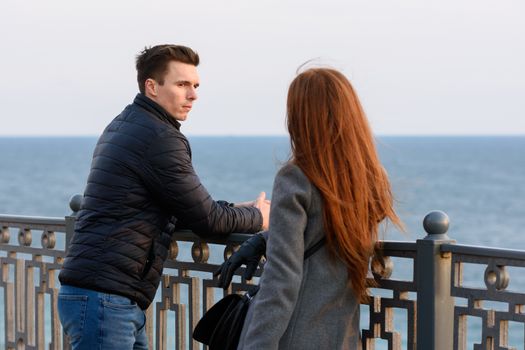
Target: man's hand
249, 253
263, 205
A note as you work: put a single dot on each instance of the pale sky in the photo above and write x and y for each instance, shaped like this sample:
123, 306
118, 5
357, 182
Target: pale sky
420, 67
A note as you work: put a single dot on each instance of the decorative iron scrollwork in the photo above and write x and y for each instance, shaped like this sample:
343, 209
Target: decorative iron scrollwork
496, 277
48, 240
174, 250
25, 237
200, 252
382, 267
229, 249
5, 235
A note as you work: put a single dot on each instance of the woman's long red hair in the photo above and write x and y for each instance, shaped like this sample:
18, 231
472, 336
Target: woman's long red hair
333, 145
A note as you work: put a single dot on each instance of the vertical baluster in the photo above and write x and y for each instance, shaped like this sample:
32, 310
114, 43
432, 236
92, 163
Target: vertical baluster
180, 315
488, 332
375, 320
209, 299
75, 204
56, 328
161, 314
182, 325
435, 305
30, 303
9, 302
20, 298
195, 307
461, 332
460, 321
161, 329
390, 328
503, 333
40, 311
149, 325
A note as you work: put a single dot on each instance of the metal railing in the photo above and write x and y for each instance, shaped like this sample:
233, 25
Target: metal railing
432, 293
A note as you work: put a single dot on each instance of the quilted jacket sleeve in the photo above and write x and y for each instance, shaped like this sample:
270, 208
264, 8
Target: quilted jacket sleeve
171, 178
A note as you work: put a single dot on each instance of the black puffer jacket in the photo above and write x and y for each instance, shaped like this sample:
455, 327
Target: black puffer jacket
141, 177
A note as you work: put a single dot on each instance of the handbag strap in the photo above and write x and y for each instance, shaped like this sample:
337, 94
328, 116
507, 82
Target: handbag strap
310, 251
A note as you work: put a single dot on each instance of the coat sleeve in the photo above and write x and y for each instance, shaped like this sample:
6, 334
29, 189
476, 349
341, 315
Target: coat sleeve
281, 280
171, 178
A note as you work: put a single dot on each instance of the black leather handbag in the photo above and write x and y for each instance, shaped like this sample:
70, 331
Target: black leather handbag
220, 327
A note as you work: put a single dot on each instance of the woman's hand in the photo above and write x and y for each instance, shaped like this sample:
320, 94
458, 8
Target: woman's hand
249, 253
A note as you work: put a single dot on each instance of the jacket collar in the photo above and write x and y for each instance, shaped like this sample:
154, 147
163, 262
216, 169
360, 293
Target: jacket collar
154, 108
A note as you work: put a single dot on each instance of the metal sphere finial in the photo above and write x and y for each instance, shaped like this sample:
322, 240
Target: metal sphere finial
436, 222
75, 203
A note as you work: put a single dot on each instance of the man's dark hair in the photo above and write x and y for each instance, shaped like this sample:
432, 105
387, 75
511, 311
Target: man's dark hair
153, 62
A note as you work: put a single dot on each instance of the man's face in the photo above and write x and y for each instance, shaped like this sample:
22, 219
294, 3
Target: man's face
178, 92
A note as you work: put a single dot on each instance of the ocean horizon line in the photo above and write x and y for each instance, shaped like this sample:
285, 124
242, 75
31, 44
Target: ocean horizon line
277, 136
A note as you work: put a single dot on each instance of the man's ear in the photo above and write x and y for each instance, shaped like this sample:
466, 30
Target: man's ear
150, 88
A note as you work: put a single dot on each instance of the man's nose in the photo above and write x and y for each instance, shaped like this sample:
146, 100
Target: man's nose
192, 94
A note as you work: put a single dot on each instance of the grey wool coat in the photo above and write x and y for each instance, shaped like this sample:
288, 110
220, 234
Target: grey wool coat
301, 304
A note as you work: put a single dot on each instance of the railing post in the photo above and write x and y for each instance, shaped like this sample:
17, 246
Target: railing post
75, 204
435, 306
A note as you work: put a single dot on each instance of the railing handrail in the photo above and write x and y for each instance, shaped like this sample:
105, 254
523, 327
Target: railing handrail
482, 251
181, 235
189, 236
401, 246
32, 220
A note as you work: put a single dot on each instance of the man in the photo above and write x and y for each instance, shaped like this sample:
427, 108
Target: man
140, 186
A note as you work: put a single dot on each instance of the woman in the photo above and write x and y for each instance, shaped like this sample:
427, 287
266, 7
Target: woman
335, 187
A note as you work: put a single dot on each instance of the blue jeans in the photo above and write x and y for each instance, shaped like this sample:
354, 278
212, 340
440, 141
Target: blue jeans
94, 320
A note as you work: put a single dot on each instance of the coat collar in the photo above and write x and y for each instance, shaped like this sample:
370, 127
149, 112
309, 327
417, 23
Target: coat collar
153, 107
